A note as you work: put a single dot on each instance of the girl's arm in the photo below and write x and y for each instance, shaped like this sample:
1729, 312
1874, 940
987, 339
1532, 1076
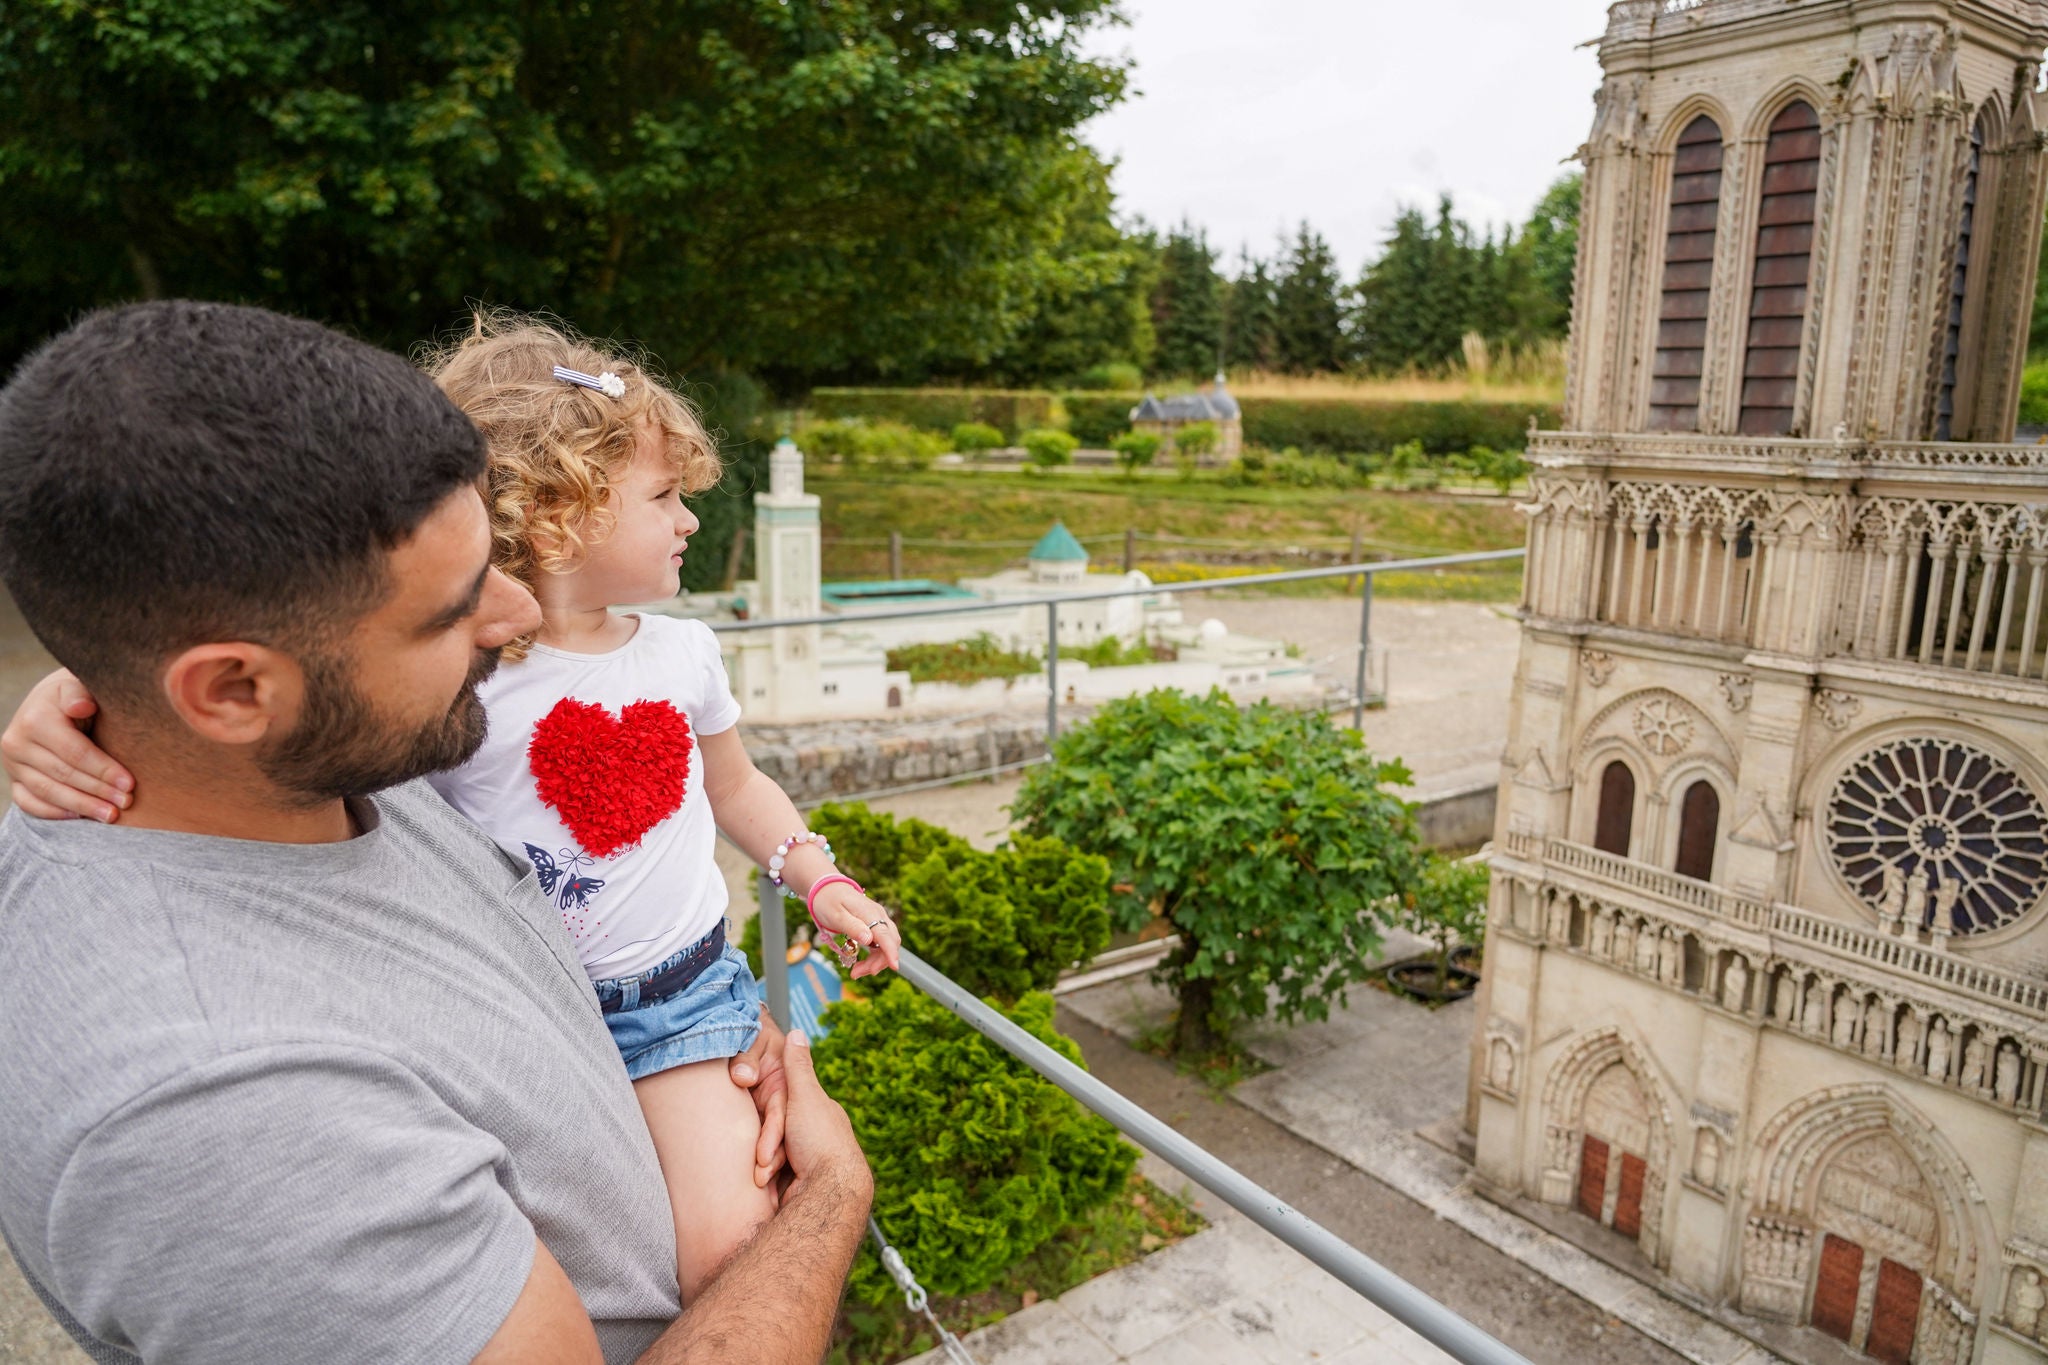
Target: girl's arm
57, 771
757, 815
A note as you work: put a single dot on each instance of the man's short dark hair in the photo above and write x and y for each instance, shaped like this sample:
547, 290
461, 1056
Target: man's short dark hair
177, 473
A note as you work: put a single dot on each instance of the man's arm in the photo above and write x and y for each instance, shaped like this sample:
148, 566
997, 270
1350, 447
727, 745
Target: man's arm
774, 1302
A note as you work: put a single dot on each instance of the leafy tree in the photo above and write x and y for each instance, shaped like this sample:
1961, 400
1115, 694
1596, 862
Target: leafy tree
784, 187
1414, 302
1549, 245
1308, 313
1251, 317
1048, 447
1135, 450
978, 1160
1447, 907
1187, 305
1265, 838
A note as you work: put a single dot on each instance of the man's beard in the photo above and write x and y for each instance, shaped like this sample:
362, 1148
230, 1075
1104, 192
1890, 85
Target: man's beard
343, 746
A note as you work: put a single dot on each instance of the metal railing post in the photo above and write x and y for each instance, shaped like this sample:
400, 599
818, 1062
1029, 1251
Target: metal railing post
1052, 673
1407, 1304
1364, 650
774, 951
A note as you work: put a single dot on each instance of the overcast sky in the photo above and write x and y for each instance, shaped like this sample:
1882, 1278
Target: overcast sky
1249, 117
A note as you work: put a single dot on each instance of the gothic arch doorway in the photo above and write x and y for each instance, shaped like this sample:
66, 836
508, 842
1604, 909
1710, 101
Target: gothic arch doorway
1879, 1233
1616, 821
1614, 1151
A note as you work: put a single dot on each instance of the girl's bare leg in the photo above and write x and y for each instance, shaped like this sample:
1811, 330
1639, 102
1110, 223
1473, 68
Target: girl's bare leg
704, 1129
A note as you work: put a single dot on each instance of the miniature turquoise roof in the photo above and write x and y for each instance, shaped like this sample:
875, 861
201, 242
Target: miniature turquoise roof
1058, 544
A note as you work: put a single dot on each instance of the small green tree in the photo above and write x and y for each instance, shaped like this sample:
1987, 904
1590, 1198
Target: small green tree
1265, 837
1447, 907
971, 438
1403, 464
1197, 439
1135, 450
1501, 468
1048, 447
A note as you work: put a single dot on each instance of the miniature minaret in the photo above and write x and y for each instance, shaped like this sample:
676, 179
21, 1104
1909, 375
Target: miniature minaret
786, 559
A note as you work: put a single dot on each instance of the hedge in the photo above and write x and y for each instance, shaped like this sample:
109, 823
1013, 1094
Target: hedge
1010, 411
1334, 426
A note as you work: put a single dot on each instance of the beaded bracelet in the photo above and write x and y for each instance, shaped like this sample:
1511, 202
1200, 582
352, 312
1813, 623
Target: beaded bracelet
781, 856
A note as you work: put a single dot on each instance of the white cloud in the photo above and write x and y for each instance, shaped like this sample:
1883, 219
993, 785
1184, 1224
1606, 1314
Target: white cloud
1250, 118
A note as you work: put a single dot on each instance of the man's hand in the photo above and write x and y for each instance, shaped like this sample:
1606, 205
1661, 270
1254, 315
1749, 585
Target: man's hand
819, 1141
57, 771
760, 1069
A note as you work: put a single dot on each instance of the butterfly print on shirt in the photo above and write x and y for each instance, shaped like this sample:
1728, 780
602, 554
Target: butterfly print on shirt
571, 890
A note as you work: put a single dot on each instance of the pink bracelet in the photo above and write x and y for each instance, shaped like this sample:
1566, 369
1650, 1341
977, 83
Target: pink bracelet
811, 900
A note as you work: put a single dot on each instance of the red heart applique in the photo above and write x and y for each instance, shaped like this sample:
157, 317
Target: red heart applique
611, 778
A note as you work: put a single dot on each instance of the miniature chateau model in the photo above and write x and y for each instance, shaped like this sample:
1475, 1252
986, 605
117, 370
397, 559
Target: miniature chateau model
1767, 966
840, 670
1164, 419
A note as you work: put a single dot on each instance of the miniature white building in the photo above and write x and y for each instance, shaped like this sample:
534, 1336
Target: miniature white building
1764, 991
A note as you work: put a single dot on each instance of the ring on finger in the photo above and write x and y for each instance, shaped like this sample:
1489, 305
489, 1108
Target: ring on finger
873, 922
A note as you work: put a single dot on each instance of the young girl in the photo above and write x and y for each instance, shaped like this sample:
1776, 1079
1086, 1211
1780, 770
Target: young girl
611, 752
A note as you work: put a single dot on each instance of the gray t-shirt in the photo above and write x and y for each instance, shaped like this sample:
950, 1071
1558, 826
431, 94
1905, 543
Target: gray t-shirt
264, 1102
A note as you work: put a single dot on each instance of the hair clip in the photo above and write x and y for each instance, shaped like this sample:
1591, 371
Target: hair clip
608, 384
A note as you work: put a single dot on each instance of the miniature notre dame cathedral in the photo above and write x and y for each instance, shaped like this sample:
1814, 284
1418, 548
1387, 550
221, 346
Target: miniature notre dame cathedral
1766, 1006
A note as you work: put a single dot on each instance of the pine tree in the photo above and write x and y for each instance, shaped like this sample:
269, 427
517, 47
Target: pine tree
1187, 306
1308, 309
1251, 318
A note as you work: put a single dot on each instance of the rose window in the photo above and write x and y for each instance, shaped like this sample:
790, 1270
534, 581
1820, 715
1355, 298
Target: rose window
1955, 814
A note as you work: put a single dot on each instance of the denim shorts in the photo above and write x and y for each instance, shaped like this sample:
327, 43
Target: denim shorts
716, 1016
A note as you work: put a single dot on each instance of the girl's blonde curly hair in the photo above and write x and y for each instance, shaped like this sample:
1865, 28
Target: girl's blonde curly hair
556, 447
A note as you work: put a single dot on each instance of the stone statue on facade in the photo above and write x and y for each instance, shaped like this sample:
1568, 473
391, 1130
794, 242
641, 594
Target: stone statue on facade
1734, 984
1875, 1028
1916, 898
1893, 903
1646, 951
1815, 1019
2007, 1084
1907, 1050
1668, 959
1975, 1058
2028, 1299
1939, 1049
1845, 1025
1945, 910
1601, 938
1706, 1159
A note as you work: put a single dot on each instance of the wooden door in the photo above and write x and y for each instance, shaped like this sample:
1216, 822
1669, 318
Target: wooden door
1699, 819
1593, 1177
1617, 809
1834, 1293
1896, 1315
1628, 1201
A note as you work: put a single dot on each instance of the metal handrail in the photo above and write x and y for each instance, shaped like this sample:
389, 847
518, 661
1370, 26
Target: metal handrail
1365, 571
1408, 1305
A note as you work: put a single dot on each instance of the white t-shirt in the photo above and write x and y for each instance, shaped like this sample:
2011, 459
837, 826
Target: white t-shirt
592, 772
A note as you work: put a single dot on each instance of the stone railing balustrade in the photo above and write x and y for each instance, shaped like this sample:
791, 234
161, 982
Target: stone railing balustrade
1968, 1026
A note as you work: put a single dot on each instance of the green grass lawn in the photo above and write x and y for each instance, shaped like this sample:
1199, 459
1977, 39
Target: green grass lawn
957, 523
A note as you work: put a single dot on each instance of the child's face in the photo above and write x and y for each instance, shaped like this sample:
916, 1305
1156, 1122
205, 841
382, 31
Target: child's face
641, 558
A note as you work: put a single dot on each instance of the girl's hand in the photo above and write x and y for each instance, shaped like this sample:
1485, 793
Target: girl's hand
57, 771
840, 909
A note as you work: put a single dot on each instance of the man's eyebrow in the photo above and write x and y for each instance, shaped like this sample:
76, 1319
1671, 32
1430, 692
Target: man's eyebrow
449, 615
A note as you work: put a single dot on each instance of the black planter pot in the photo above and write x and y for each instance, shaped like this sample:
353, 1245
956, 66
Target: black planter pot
1416, 977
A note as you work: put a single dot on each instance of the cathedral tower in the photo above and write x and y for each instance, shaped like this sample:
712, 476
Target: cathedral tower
1767, 964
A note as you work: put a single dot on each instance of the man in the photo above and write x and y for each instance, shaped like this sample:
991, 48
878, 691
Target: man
296, 1064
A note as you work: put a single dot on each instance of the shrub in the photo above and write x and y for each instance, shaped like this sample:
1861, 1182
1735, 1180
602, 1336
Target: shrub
1135, 450
1000, 923
1447, 907
1197, 438
1501, 468
961, 661
1263, 836
1289, 469
1404, 464
856, 443
1118, 375
1110, 652
970, 437
978, 1161
1048, 447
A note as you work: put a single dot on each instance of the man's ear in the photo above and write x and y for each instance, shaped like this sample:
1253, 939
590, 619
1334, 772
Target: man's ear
233, 693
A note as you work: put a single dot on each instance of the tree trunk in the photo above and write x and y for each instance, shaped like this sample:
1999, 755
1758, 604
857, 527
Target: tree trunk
1194, 1035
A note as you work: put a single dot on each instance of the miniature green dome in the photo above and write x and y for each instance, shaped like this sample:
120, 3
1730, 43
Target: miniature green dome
1058, 544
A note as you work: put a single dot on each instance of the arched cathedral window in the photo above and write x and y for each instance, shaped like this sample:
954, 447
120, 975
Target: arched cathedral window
1688, 277
1699, 822
1959, 280
1617, 809
1784, 255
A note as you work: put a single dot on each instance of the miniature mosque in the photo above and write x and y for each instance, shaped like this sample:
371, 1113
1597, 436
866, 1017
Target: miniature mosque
840, 669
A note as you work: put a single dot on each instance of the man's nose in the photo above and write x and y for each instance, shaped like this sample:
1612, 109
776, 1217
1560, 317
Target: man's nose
508, 612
